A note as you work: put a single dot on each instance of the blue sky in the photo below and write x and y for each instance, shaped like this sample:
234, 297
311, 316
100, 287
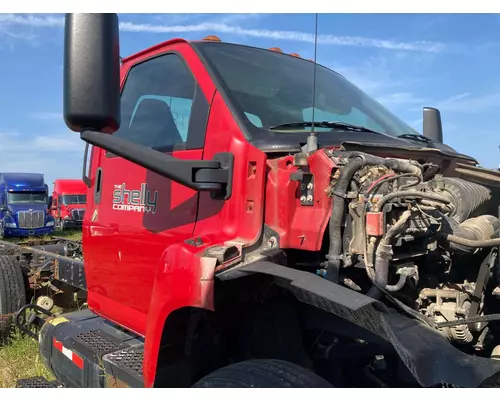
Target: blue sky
406, 61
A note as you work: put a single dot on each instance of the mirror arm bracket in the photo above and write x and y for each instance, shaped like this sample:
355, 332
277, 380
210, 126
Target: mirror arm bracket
214, 175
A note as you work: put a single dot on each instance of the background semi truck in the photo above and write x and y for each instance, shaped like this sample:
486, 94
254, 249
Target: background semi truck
67, 203
231, 239
24, 205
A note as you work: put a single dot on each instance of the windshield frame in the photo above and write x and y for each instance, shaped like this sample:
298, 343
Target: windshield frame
254, 133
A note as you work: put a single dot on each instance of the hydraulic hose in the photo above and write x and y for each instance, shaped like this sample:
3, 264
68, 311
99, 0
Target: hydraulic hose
356, 162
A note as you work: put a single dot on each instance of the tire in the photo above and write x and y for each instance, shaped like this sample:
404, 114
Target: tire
12, 293
265, 373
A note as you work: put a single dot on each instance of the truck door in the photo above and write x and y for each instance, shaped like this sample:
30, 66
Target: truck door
133, 214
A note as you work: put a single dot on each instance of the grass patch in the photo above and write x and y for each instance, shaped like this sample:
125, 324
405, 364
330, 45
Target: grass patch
70, 234
20, 359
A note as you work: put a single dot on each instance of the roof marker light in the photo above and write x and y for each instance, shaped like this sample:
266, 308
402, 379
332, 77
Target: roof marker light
212, 38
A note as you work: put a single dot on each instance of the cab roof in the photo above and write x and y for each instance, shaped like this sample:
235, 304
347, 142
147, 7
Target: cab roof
209, 38
69, 186
21, 179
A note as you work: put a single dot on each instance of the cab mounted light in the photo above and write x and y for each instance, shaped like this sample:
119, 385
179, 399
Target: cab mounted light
212, 38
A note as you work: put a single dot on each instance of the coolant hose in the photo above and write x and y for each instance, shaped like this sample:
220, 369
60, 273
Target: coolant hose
409, 194
472, 243
382, 257
398, 286
356, 162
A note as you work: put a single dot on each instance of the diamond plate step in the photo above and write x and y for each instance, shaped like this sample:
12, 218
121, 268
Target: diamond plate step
35, 382
126, 365
98, 342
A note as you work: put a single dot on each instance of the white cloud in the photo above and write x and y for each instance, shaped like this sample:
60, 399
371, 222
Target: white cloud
297, 36
165, 19
8, 37
234, 18
55, 156
400, 98
469, 103
15, 144
31, 20
219, 27
16, 35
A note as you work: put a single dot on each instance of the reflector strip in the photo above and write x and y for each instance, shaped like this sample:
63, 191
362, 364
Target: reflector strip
77, 360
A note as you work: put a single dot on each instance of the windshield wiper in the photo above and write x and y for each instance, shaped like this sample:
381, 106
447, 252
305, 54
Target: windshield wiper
325, 124
413, 136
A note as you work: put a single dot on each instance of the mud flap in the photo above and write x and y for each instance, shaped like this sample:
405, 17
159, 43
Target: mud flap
429, 357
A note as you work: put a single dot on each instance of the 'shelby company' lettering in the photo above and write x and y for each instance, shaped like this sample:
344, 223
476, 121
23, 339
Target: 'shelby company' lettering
143, 200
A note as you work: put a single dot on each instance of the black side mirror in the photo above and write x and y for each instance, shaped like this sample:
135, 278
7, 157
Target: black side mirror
432, 125
92, 106
92, 72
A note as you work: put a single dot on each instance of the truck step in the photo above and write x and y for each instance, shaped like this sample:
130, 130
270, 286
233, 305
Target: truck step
99, 342
126, 365
36, 382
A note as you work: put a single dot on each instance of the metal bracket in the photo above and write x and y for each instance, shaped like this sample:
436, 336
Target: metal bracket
306, 190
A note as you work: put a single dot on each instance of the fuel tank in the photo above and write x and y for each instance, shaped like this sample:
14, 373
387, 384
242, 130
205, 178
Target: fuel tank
86, 351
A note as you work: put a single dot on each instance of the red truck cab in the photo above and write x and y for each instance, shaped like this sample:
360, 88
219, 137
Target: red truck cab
215, 215
68, 202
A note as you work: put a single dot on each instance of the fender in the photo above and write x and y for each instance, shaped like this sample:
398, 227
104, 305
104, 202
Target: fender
429, 357
189, 278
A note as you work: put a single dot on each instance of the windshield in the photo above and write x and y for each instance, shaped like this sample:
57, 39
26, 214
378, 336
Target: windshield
68, 199
270, 89
26, 197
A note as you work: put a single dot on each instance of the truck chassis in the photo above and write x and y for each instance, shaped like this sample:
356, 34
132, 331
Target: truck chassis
43, 272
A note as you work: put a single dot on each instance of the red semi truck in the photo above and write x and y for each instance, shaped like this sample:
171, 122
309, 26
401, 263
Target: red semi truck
231, 240
67, 203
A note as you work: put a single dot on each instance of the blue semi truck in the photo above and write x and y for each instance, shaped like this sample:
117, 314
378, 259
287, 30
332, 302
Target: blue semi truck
24, 205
